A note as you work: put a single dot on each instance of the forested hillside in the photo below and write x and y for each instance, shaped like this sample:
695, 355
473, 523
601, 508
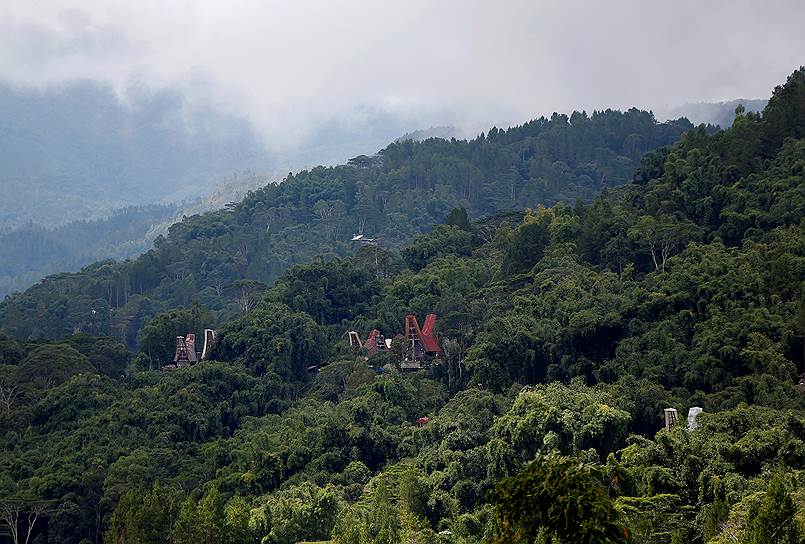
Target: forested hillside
405, 190
33, 252
566, 330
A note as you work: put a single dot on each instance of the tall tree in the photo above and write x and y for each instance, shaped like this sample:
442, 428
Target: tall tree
562, 496
773, 520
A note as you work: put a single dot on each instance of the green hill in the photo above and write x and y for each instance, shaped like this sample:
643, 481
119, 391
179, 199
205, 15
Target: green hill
33, 252
565, 330
405, 190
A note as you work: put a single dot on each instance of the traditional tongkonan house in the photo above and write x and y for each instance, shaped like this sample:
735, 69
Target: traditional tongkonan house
354, 340
185, 352
376, 343
209, 338
423, 342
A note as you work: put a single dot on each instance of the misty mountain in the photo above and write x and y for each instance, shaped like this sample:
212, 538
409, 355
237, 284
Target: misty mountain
78, 152
713, 113
397, 194
31, 252
444, 132
76, 159
87, 175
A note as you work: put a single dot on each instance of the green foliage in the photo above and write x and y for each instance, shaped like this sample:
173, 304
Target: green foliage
240, 529
443, 240
338, 379
458, 217
272, 339
561, 495
145, 517
107, 355
301, 513
10, 350
716, 515
52, 364
555, 417
209, 520
528, 244
329, 292
565, 332
772, 520
655, 518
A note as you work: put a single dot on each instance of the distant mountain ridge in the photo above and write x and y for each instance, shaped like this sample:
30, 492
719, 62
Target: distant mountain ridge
33, 251
79, 152
401, 192
714, 113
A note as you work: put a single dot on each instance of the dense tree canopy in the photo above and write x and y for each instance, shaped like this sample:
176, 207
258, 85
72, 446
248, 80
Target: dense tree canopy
407, 189
566, 330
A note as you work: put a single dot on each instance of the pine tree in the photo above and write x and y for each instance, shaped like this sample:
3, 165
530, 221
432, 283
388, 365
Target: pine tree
773, 519
185, 531
715, 516
211, 517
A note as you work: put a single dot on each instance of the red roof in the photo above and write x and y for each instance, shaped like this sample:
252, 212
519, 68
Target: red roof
371, 342
429, 340
423, 420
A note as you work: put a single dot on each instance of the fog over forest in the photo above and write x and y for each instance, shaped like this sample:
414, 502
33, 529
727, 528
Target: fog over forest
381, 272
292, 69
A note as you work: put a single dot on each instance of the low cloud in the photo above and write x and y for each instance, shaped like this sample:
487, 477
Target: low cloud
292, 68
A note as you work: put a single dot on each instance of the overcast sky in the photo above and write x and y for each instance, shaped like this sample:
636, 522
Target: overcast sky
289, 67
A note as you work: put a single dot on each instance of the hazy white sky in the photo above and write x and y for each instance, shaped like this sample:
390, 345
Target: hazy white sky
292, 66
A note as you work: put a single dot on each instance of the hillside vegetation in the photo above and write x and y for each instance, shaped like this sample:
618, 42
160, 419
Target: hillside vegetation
405, 190
33, 251
566, 330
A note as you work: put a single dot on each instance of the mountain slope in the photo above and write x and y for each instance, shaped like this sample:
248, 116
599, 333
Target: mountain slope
405, 190
566, 332
32, 252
